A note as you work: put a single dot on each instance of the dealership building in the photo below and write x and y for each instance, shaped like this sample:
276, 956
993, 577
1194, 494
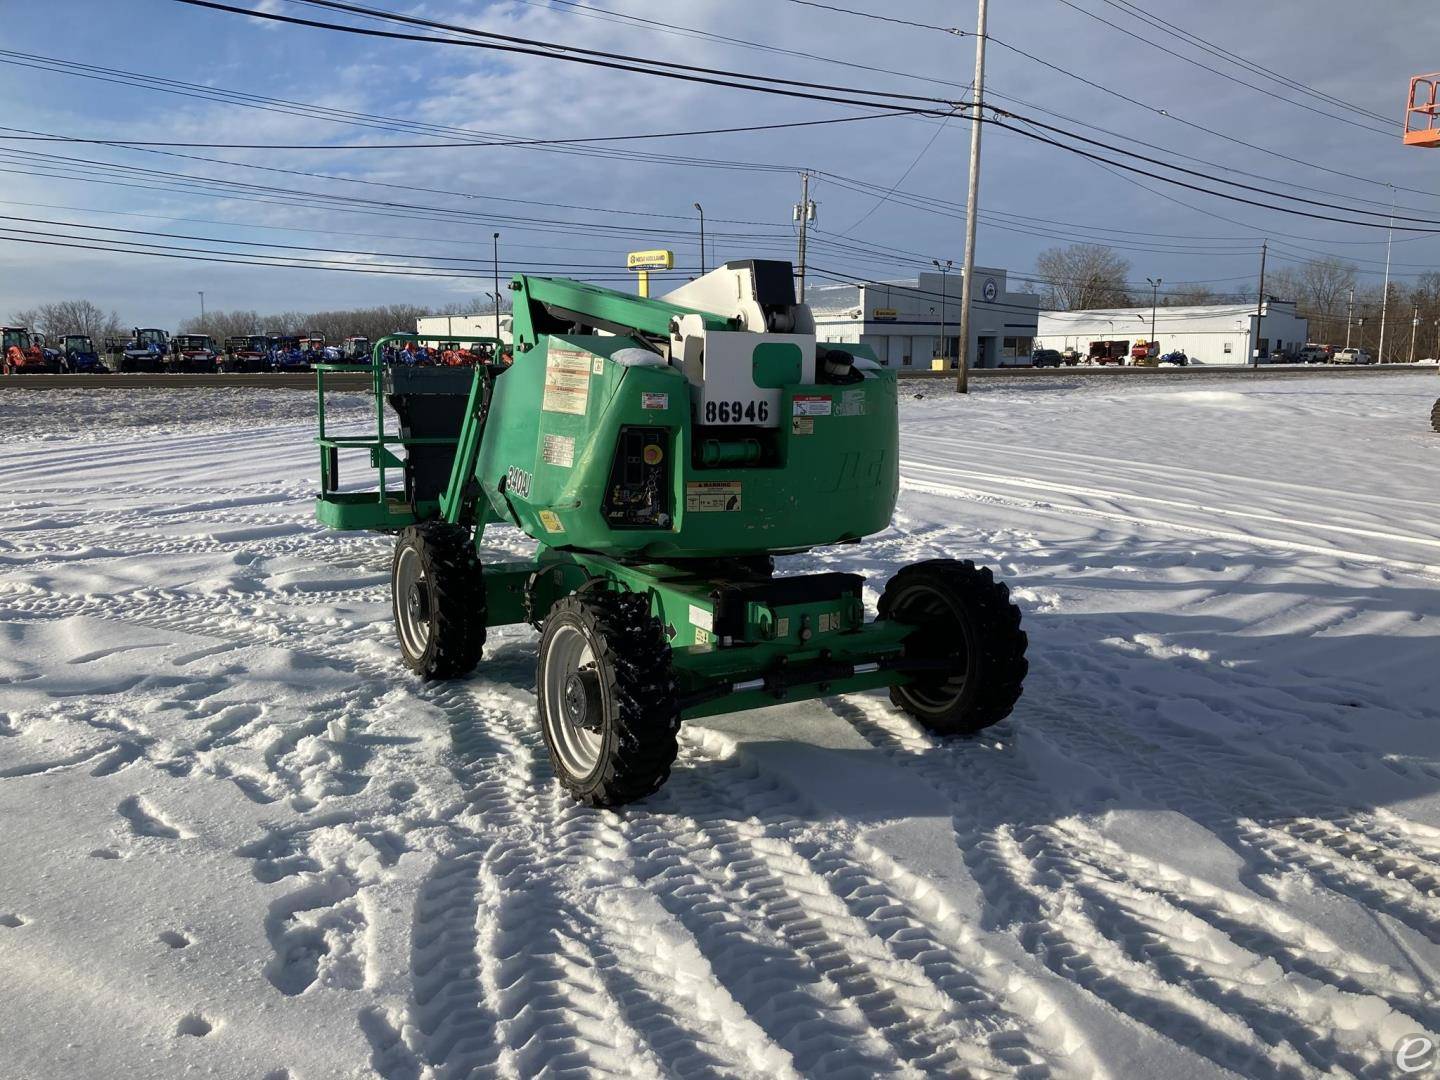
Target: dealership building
909, 322
1206, 333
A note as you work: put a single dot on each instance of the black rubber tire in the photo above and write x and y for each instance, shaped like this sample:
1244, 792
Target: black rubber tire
962, 612
1435, 415
640, 710
453, 598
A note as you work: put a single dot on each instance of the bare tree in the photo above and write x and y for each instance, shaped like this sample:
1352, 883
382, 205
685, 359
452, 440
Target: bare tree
62, 317
1190, 295
1082, 276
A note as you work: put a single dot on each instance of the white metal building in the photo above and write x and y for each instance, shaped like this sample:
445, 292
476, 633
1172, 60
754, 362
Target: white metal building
909, 322
465, 325
1206, 333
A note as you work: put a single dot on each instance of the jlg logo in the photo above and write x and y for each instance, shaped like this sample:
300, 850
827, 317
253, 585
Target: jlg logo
518, 481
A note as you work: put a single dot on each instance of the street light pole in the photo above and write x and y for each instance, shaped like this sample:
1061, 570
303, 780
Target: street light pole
972, 204
944, 270
1349, 315
1414, 330
701, 209
495, 249
1385, 298
1155, 284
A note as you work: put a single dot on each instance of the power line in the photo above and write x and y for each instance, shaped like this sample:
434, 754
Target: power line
1238, 60
446, 145
1231, 78
591, 57
881, 18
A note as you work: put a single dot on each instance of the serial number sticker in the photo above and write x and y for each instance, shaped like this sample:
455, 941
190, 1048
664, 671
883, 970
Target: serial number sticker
597, 367
802, 425
852, 403
812, 405
567, 382
551, 521
701, 618
649, 400
707, 496
558, 450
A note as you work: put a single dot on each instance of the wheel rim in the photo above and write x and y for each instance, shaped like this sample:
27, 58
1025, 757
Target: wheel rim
412, 602
941, 634
574, 709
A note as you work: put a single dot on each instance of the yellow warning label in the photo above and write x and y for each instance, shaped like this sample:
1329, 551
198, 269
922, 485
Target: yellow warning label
567, 382
706, 496
551, 521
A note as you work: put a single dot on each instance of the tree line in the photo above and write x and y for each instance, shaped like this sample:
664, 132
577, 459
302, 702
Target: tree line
57, 319
1326, 291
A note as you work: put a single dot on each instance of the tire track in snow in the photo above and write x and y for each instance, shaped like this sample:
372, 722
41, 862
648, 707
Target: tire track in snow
1052, 895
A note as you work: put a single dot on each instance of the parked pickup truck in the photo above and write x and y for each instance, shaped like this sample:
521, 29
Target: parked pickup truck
1352, 356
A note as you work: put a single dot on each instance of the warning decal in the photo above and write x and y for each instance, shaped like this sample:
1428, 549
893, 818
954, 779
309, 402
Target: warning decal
811, 405
558, 450
551, 521
706, 496
649, 400
567, 382
802, 425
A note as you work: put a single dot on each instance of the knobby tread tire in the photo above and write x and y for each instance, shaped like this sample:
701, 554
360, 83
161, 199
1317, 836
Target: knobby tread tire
632, 656
994, 642
457, 599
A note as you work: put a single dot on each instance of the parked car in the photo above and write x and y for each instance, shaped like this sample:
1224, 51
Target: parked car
1047, 358
1317, 354
1353, 356
78, 356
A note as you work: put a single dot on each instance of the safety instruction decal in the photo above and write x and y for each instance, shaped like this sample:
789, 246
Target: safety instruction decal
649, 400
702, 619
551, 521
567, 382
706, 496
802, 425
852, 403
558, 450
812, 405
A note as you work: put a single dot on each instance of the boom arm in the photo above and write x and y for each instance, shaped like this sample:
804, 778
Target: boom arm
555, 305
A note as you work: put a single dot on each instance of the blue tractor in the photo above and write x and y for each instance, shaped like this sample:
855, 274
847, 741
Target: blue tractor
78, 356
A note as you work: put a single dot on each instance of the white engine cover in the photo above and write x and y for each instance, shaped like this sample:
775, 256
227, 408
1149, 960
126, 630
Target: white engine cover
724, 382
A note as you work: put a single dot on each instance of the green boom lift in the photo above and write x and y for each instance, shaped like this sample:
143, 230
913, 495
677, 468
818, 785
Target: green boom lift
662, 452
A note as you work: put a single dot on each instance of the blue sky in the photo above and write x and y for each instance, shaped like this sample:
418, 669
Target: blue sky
1362, 54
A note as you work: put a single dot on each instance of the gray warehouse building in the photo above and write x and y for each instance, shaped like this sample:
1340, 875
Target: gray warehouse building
909, 322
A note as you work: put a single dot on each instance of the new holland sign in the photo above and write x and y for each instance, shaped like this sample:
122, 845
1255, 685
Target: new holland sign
650, 260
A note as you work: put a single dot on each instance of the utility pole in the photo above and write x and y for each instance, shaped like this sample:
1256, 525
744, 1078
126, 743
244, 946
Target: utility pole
972, 205
804, 213
1414, 330
1349, 315
1259, 309
202, 311
1155, 284
1385, 297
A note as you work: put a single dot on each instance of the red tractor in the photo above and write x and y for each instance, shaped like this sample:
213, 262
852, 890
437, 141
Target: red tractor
23, 354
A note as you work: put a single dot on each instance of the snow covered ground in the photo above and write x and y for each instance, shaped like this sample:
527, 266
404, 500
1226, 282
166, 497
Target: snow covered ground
237, 839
